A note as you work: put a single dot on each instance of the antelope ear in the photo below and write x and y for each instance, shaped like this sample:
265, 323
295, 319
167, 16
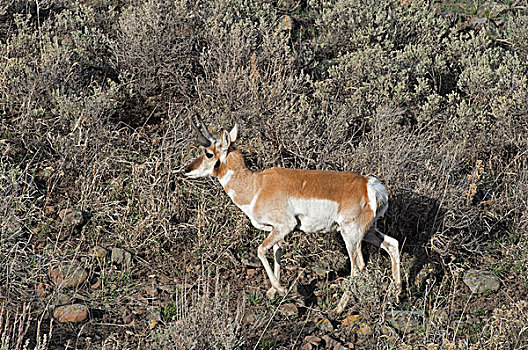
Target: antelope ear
233, 133
226, 140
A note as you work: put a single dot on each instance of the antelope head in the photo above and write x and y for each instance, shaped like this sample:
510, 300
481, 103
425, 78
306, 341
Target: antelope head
215, 150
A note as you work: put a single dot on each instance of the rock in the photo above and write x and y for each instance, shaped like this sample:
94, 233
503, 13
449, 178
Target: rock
289, 309
153, 315
492, 9
118, 255
350, 320
333, 344
71, 313
60, 299
67, 275
481, 281
357, 326
99, 252
363, 329
319, 271
72, 216
251, 272
311, 342
405, 321
286, 22
251, 261
121, 256
128, 259
325, 325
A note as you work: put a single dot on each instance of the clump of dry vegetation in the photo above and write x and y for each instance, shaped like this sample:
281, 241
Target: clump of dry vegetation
95, 96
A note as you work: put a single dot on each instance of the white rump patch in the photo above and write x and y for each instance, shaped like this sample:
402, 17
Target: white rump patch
225, 179
378, 196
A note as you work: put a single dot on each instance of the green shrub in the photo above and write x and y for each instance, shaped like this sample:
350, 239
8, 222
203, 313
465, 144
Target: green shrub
94, 105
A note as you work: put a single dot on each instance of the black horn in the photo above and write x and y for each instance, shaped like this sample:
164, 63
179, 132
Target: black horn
201, 139
205, 131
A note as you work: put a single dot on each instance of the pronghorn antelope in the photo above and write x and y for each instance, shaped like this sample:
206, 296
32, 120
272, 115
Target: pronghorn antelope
282, 200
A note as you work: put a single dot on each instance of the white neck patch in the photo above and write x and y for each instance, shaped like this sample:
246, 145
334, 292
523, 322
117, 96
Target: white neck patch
225, 179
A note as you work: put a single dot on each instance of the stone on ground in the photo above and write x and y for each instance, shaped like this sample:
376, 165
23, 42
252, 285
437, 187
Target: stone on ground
481, 281
71, 313
405, 321
67, 275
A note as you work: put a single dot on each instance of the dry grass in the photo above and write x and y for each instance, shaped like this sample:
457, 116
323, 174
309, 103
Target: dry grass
94, 104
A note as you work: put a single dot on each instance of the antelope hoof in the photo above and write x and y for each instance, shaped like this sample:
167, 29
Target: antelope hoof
271, 292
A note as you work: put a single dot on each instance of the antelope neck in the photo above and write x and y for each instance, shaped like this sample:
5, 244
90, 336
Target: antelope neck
238, 181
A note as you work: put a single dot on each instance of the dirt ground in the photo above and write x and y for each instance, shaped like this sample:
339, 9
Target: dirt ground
104, 244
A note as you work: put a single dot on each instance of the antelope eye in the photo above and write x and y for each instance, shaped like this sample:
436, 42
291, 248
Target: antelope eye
209, 155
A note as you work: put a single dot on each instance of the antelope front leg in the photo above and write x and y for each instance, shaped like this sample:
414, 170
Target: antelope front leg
272, 241
277, 254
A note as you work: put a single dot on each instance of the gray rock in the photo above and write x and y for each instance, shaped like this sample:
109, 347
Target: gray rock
99, 252
72, 216
127, 258
289, 309
118, 255
286, 23
325, 325
153, 315
481, 281
250, 260
405, 321
121, 256
319, 271
59, 299
492, 8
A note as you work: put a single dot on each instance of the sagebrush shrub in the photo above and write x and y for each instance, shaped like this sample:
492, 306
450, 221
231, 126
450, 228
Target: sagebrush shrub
95, 99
